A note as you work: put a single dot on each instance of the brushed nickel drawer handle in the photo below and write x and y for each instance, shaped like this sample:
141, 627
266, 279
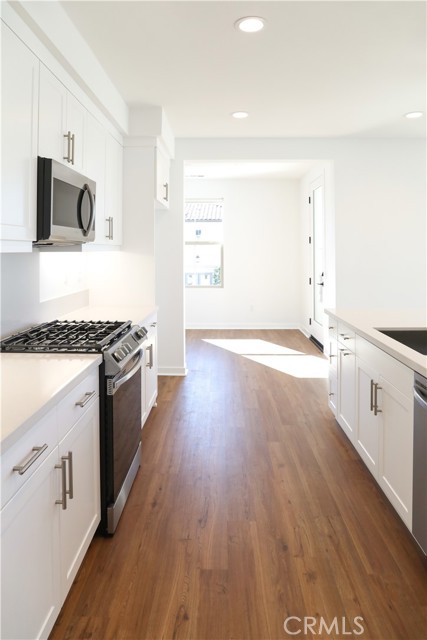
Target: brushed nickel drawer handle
87, 396
22, 468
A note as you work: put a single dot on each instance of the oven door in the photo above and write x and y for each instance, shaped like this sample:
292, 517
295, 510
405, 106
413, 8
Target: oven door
122, 432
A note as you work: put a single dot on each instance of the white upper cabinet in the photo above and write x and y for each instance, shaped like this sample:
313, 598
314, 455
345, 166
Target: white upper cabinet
19, 113
94, 168
41, 117
162, 164
113, 192
61, 122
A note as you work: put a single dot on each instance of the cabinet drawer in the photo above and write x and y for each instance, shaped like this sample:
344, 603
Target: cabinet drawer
76, 403
346, 336
28, 454
398, 374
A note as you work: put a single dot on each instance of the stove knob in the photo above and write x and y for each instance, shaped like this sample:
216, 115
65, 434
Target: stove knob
117, 356
141, 333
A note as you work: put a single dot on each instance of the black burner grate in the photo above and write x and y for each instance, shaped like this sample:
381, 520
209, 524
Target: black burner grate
67, 336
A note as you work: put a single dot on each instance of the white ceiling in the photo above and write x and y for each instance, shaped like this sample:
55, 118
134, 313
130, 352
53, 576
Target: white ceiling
318, 69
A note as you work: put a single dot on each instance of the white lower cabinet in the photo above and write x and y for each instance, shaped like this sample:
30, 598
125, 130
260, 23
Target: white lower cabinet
48, 523
149, 386
396, 447
375, 409
30, 594
151, 368
79, 521
368, 417
346, 405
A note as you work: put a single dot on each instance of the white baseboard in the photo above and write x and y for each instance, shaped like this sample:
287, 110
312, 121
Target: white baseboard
172, 371
261, 326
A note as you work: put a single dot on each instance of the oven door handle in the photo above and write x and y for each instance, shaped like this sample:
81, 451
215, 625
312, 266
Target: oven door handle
420, 398
121, 380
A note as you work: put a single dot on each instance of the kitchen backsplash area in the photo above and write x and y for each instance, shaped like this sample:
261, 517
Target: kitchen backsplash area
37, 287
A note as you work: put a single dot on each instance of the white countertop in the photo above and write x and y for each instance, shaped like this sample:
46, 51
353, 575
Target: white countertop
32, 383
136, 314
366, 323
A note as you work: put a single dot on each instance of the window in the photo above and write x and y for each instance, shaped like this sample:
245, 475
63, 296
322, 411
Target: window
203, 251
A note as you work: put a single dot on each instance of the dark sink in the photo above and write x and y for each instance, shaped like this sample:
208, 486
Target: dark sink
415, 339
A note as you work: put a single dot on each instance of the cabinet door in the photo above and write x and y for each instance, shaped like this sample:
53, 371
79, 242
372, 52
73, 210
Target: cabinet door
94, 168
151, 368
162, 178
113, 192
52, 116
61, 122
79, 521
367, 421
396, 448
346, 391
19, 112
29, 552
75, 123
332, 394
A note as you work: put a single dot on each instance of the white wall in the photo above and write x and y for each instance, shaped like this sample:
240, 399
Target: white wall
127, 276
261, 256
380, 223
38, 287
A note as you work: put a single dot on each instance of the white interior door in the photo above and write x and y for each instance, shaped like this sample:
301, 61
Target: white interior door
318, 259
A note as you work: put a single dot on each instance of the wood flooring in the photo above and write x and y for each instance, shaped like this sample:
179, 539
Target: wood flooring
251, 518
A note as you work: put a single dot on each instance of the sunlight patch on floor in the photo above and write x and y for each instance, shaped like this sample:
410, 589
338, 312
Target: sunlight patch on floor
288, 361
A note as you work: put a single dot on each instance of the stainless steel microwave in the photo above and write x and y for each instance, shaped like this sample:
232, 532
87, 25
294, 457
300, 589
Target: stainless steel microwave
66, 203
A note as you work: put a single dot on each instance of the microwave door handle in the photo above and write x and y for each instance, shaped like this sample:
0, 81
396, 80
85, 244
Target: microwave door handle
86, 231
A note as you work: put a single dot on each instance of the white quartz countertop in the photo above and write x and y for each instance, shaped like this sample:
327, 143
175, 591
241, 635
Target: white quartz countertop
137, 314
367, 322
32, 383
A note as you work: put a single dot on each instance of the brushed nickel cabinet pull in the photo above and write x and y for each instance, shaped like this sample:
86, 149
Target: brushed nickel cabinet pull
72, 148
68, 156
150, 362
23, 468
110, 221
87, 396
372, 395
166, 188
63, 468
376, 410
70, 491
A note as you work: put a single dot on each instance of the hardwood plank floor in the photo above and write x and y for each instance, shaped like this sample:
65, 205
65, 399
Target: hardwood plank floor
250, 507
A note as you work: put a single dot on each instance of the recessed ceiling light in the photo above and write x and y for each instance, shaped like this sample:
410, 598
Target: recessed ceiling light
240, 114
250, 24
414, 114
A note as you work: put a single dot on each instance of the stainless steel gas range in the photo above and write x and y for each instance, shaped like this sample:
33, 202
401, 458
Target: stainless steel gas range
121, 345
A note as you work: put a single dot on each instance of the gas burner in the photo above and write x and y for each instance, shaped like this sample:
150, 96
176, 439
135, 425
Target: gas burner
68, 336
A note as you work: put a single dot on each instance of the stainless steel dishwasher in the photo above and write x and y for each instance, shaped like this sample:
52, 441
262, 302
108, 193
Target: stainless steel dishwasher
419, 500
